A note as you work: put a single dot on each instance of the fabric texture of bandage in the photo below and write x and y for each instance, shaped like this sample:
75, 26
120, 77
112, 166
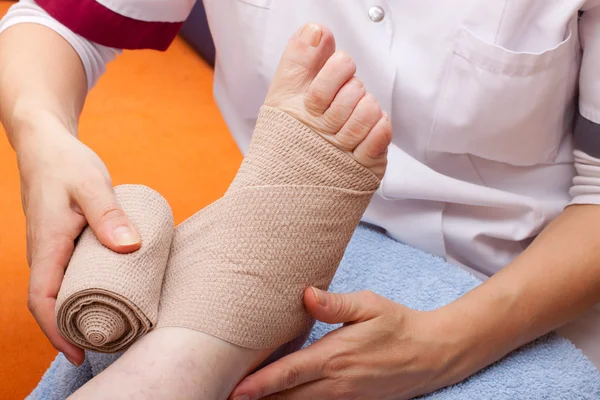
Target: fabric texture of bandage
237, 270
107, 300
239, 267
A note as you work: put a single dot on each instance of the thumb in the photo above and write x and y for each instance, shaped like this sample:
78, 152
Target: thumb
107, 219
334, 308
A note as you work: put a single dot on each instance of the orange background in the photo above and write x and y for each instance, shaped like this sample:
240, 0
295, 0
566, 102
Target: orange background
153, 121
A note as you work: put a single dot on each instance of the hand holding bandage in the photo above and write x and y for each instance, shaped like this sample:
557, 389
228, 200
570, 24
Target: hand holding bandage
108, 300
237, 269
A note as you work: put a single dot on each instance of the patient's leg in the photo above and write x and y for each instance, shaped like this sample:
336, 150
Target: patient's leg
316, 86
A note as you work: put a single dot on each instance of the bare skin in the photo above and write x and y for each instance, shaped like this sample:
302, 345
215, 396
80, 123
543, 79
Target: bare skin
64, 184
316, 85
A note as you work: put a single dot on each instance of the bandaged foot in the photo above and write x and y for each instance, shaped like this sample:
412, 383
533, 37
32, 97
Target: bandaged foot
238, 269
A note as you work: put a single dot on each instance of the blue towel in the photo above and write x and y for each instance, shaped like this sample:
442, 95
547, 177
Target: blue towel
549, 368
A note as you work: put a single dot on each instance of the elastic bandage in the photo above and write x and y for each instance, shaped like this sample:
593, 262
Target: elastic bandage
237, 269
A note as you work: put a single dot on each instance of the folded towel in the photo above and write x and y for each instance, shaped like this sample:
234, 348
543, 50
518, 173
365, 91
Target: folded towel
549, 368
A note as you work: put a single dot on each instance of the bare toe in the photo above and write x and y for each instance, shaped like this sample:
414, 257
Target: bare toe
363, 119
316, 85
372, 151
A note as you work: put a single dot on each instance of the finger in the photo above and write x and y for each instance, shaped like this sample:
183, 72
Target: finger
322, 389
334, 308
106, 218
298, 368
50, 256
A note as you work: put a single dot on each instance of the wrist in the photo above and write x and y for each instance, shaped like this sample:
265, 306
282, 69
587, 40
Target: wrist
456, 344
27, 129
477, 329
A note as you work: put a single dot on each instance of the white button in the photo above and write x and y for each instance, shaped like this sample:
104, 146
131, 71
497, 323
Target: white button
376, 14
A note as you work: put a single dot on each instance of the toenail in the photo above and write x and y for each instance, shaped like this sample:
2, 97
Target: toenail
370, 97
344, 57
311, 34
357, 82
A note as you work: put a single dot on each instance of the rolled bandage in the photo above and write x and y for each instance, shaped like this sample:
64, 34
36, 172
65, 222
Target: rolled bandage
236, 270
108, 300
239, 267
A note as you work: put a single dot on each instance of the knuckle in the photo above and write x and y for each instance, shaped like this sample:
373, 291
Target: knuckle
352, 92
96, 192
342, 306
369, 296
290, 377
335, 365
259, 390
349, 138
109, 212
316, 97
32, 303
355, 133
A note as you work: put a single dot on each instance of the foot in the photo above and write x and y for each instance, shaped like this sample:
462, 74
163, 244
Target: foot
317, 86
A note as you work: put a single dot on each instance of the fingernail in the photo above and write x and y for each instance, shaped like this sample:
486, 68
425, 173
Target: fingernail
311, 34
71, 361
242, 397
386, 116
321, 298
124, 236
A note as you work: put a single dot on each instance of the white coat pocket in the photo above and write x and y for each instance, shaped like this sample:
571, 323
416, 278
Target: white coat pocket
505, 106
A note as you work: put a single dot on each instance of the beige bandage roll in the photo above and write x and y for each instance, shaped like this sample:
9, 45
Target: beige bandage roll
108, 300
236, 270
239, 267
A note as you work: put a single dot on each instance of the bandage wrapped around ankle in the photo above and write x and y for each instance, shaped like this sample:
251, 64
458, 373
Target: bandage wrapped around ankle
108, 300
238, 268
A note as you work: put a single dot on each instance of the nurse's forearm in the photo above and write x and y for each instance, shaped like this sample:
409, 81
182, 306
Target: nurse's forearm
41, 79
554, 280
